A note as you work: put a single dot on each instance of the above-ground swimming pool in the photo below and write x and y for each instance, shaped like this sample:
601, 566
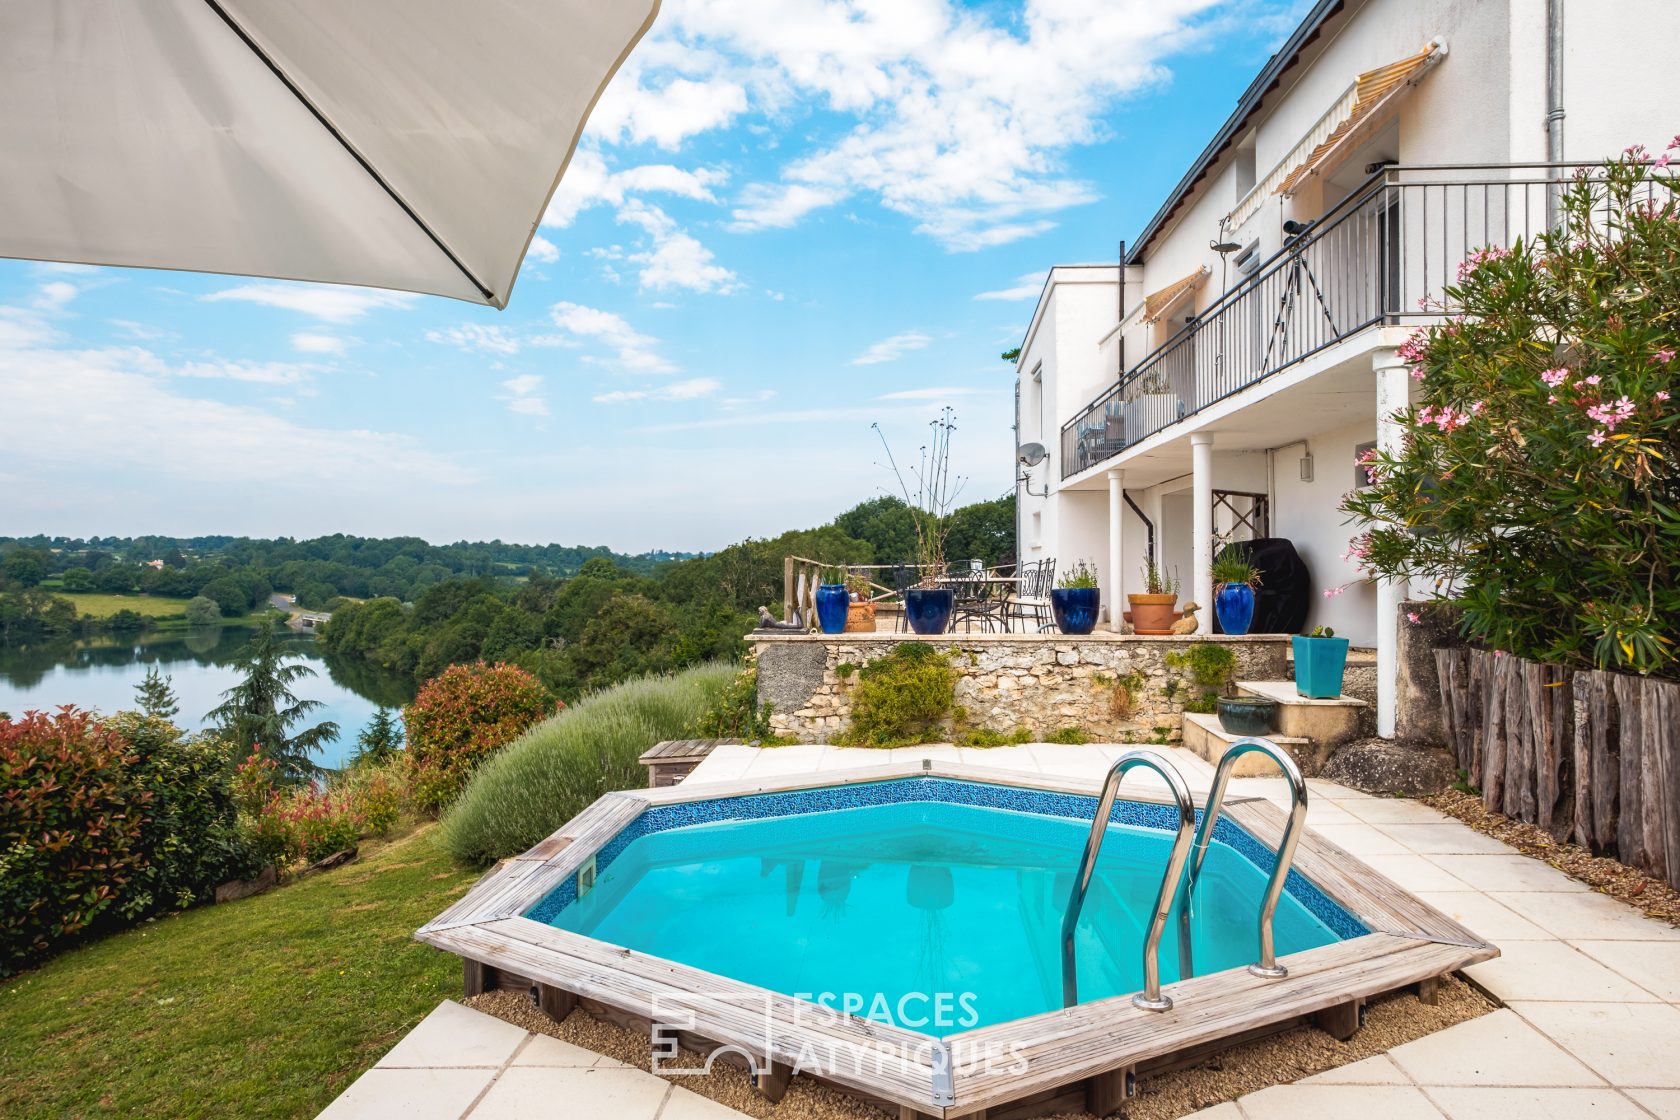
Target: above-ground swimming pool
899, 932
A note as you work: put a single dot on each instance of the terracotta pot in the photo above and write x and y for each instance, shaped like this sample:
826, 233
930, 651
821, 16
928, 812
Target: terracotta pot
860, 618
1152, 614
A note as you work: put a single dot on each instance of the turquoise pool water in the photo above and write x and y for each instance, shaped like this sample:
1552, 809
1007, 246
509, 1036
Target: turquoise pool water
931, 915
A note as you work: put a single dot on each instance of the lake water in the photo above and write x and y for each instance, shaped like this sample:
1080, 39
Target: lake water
101, 673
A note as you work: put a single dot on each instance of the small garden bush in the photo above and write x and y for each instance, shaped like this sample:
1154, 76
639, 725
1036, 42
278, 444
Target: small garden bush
462, 716
293, 824
71, 822
1539, 478
902, 697
553, 771
1211, 666
737, 714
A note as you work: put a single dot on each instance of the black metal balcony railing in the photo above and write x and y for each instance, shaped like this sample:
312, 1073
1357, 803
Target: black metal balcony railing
1395, 241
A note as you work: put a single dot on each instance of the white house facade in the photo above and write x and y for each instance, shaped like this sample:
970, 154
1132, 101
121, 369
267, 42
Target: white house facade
1218, 382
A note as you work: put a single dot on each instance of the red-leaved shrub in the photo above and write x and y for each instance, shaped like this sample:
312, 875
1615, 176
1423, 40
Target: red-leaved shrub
463, 715
70, 824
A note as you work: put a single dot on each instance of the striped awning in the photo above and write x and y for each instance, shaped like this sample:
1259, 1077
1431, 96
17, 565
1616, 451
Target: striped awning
1159, 305
1372, 92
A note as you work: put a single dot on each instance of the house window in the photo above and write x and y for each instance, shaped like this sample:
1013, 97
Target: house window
1038, 530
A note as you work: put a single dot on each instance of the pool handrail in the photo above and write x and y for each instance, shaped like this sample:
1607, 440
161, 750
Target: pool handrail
1150, 999
1267, 966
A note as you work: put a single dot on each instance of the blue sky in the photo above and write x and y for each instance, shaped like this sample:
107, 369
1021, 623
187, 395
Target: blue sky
788, 219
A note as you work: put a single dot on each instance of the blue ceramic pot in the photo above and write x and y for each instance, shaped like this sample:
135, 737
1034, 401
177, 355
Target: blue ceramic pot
1075, 608
833, 600
928, 609
1319, 663
1234, 604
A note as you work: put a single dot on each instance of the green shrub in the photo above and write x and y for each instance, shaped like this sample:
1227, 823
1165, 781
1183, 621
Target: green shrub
70, 829
1072, 736
191, 841
556, 769
986, 737
463, 715
901, 698
737, 714
1211, 666
377, 793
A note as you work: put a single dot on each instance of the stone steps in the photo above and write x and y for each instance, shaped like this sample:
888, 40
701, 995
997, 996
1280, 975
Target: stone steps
1203, 735
1310, 730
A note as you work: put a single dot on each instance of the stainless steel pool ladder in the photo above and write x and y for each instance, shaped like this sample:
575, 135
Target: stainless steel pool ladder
1150, 999
1267, 965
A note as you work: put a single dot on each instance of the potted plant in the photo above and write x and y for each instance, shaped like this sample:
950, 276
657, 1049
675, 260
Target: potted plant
928, 605
832, 599
1075, 599
1152, 609
1320, 660
860, 612
1234, 581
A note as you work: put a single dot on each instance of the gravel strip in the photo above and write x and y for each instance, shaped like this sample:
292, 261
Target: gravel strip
1652, 897
1282, 1058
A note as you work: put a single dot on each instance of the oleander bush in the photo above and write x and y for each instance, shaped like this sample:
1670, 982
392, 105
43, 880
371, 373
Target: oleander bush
462, 716
1539, 479
554, 770
71, 824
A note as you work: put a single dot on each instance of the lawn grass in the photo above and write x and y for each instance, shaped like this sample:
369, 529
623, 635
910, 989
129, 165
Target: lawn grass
104, 606
266, 1007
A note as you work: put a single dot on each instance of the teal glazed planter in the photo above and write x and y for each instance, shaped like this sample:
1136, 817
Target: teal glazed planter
1234, 605
1319, 664
1075, 608
833, 600
928, 609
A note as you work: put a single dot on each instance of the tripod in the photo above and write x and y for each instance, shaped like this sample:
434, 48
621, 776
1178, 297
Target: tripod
1298, 268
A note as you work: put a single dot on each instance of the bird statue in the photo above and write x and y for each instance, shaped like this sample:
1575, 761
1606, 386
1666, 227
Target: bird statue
1188, 623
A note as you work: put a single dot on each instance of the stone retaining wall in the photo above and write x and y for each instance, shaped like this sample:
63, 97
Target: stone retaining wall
1115, 688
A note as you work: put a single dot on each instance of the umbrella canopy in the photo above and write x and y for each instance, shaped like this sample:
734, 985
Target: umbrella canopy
407, 144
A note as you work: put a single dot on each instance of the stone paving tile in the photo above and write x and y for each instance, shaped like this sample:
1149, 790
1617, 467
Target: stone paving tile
943, 752
1417, 873
1443, 838
524, 1092
1664, 1104
545, 1050
1485, 916
1338, 1102
1578, 916
1535, 1104
454, 1035
1496, 1049
1371, 1071
1357, 839
1554, 971
1392, 810
1225, 1111
684, 1105
1507, 872
411, 1094
1653, 965
1629, 1044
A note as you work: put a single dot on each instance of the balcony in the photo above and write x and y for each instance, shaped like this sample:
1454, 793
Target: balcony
1372, 259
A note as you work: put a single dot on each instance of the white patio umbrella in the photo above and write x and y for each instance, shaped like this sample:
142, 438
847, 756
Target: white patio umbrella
407, 144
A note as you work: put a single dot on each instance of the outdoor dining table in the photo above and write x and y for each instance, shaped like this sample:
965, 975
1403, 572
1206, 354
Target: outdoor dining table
992, 587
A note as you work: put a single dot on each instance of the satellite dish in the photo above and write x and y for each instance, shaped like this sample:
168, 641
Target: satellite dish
1031, 454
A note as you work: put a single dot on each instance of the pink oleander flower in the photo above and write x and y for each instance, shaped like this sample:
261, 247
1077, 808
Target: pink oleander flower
1596, 439
1555, 377
1480, 257
1593, 380
1477, 407
1662, 357
1499, 653
1612, 414
1418, 373
1551, 398
1332, 592
1634, 150
1662, 394
1674, 143
1412, 617
1661, 161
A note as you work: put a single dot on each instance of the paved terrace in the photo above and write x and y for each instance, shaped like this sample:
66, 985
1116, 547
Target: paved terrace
1591, 988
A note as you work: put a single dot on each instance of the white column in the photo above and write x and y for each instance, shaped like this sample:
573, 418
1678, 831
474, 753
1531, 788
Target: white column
1393, 394
1201, 526
1116, 573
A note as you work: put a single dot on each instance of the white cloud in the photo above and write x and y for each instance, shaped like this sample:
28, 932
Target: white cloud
523, 395
891, 349
1027, 286
692, 389
632, 350
675, 259
959, 115
934, 393
261, 373
54, 295
332, 303
543, 250
308, 343
489, 337
588, 182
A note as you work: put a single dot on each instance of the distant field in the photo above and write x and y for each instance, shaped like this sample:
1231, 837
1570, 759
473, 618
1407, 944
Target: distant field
104, 606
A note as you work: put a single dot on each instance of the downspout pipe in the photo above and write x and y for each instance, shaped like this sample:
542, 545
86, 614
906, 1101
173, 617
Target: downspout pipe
1149, 526
1554, 104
